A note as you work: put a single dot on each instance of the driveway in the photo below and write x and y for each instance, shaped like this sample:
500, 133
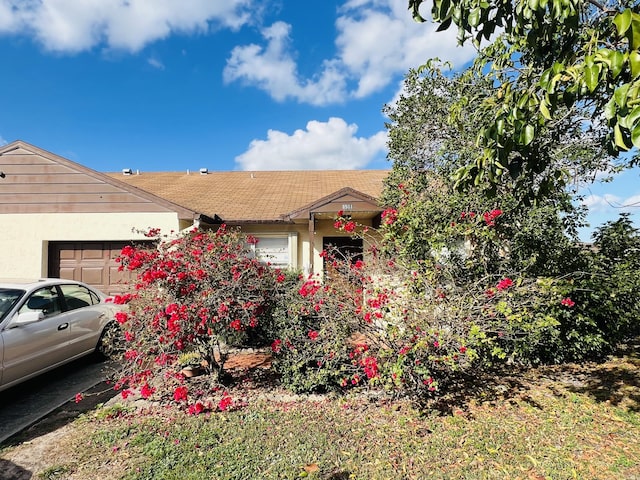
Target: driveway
25, 404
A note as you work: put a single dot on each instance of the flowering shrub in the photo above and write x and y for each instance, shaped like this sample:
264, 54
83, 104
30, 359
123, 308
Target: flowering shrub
415, 327
194, 295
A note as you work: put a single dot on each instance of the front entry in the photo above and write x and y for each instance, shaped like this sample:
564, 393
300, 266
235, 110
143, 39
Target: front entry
348, 248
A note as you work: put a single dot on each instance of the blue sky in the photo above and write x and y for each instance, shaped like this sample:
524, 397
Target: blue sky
223, 84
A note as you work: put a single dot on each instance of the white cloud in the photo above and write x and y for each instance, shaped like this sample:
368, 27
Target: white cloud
273, 69
377, 41
155, 63
74, 25
601, 203
609, 203
322, 146
632, 204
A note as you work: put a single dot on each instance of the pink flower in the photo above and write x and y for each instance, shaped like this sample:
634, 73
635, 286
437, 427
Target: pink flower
79, 397
567, 302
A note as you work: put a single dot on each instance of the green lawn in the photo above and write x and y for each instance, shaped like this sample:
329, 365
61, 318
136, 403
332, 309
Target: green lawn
558, 423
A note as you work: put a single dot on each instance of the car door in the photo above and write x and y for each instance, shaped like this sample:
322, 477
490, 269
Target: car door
34, 347
86, 316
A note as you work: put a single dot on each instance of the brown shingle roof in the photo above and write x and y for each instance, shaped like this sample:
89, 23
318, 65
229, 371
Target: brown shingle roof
253, 196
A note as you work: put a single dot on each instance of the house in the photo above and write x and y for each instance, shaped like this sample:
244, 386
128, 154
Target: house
62, 219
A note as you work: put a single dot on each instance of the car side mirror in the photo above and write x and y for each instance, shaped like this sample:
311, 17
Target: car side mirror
25, 318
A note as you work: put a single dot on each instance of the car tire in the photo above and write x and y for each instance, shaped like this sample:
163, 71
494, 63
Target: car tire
111, 342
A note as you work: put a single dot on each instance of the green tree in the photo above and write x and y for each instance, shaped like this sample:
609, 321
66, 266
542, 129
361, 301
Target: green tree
544, 59
427, 146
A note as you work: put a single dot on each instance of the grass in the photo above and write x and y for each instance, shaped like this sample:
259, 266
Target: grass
571, 422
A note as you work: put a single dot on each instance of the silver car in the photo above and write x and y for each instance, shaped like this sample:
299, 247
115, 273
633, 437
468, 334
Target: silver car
46, 323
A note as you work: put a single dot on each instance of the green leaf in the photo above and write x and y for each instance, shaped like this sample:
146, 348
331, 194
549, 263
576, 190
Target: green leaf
617, 60
619, 139
474, 17
523, 101
620, 95
635, 136
544, 110
633, 119
622, 21
591, 76
444, 25
545, 79
527, 134
610, 109
634, 38
634, 63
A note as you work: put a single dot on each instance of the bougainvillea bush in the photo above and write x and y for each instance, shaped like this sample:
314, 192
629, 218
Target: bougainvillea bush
416, 327
194, 295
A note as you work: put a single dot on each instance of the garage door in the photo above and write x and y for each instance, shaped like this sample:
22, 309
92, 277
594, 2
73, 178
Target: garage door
90, 262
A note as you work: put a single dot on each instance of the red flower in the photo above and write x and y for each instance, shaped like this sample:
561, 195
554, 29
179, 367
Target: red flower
126, 393
313, 334
225, 402
504, 283
389, 216
180, 394
463, 349
490, 217
350, 227
567, 302
196, 409
79, 397
146, 391
121, 317
276, 345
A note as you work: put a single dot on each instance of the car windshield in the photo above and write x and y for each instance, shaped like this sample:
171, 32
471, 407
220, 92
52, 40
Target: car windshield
8, 298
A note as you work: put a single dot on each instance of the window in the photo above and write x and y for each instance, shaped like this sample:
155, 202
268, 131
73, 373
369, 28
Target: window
45, 300
277, 250
77, 296
8, 298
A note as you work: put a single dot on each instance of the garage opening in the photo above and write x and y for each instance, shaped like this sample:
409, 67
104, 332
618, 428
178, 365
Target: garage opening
90, 262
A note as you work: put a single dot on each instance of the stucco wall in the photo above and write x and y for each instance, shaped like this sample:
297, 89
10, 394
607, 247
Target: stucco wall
24, 238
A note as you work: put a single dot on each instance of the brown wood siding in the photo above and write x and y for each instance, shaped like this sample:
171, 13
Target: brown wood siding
90, 262
77, 208
35, 184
